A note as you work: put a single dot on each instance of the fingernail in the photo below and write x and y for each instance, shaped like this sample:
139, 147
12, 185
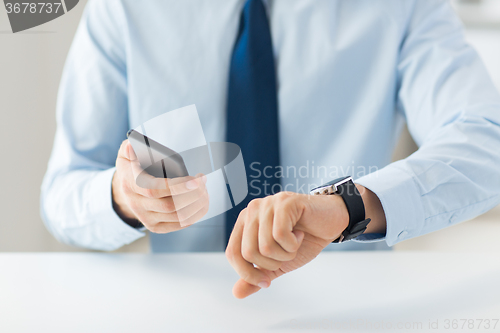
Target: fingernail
192, 184
204, 178
264, 284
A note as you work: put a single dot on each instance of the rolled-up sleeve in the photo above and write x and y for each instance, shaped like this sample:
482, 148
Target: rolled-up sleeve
92, 121
453, 112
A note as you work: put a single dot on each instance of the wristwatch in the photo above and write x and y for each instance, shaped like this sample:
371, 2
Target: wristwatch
345, 188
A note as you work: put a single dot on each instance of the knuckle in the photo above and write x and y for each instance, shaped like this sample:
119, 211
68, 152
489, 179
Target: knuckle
242, 215
281, 196
284, 198
167, 205
246, 276
247, 254
279, 234
254, 204
266, 249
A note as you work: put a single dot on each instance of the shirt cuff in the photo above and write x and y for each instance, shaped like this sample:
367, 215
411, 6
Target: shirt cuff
112, 227
401, 201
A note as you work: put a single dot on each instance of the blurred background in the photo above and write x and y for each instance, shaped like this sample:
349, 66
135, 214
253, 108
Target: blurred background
31, 64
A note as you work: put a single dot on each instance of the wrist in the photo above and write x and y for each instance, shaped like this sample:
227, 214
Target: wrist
342, 214
120, 206
373, 211
333, 215
325, 217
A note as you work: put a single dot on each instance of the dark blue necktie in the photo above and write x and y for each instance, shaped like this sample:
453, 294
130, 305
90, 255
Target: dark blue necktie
252, 106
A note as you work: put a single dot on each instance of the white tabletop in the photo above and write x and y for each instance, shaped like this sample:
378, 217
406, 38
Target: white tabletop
352, 292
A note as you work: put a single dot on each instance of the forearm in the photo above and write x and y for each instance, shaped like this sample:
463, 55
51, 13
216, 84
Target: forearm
76, 207
452, 111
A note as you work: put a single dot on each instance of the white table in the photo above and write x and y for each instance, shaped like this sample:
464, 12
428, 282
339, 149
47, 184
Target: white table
352, 292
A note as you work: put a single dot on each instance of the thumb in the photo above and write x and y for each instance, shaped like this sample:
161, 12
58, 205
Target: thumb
244, 289
124, 151
130, 152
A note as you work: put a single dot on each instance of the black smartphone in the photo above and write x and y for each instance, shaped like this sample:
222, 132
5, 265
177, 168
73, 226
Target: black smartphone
156, 159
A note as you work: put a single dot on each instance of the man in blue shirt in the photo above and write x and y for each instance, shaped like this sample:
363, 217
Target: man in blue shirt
348, 75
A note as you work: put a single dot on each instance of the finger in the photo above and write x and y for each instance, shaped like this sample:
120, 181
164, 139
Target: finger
141, 207
130, 151
123, 151
242, 289
195, 217
268, 247
244, 269
194, 212
174, 203
164, 227
202, 176
283, 223
250, 245
186, 199
152, 187
149, 218
123, 158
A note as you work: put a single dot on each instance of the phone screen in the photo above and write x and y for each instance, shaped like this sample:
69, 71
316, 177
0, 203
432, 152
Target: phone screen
156, 159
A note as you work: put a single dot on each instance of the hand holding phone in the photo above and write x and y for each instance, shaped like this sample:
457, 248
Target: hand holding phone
162, 204
156, 159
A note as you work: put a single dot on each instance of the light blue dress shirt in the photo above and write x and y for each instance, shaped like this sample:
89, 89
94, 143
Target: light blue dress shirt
350, 73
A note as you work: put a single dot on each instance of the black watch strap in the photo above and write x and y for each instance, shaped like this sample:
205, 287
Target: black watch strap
346, 188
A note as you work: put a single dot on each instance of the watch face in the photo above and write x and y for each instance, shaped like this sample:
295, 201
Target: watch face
331, 186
